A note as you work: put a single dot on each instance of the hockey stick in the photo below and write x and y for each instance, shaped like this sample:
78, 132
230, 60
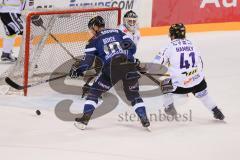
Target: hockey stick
13, 84
20, 87
155, 74
152, 78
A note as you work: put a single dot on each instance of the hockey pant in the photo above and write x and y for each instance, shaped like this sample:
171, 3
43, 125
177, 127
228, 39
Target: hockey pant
12, 23
199, 91
118, 69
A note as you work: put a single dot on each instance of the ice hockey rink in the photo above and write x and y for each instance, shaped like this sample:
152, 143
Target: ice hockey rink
24, 135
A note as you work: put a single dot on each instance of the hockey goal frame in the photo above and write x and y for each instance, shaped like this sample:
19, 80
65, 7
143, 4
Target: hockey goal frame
52, 12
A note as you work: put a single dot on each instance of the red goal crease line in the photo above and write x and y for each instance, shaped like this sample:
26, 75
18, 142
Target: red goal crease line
153, 31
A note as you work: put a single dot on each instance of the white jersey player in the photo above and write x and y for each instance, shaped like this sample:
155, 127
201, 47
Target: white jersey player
130, 26
10, 14
186, 71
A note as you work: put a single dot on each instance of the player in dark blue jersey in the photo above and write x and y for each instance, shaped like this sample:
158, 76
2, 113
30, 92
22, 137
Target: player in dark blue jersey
116, 51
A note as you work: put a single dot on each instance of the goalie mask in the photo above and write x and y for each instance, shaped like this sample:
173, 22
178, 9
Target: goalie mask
177, 31
130, 21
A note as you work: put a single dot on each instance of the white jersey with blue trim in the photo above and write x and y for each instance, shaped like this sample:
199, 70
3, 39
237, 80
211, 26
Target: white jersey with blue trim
183, 62
135, 37
15, 6
12, 6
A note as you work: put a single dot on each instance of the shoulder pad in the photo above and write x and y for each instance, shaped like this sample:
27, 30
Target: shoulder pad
174, 42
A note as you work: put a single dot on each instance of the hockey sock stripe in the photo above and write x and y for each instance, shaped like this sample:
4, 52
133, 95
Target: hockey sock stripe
137, 105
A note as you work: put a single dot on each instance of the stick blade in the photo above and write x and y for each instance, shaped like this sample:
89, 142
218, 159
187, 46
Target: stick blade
13, 84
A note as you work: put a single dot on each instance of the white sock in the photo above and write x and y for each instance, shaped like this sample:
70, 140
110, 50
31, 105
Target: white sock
168, 100
206, 99
8, 44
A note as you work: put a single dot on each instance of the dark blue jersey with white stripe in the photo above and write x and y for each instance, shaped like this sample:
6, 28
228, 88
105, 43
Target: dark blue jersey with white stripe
107, 44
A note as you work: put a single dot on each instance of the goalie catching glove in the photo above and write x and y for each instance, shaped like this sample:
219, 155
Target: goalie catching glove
37, 20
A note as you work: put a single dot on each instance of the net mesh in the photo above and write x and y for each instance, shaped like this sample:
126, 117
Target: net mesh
61, 33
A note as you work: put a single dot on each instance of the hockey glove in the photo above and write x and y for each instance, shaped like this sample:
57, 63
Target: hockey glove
126, 44
167, 86
37, 20
140, 68
76, 70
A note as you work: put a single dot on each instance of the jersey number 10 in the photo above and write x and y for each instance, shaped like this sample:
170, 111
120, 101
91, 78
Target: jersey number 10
112, 48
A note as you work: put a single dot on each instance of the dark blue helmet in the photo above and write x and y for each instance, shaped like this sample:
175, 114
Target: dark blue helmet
96, 21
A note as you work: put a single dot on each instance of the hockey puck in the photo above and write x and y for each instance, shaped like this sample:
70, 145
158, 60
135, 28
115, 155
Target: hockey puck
38, 112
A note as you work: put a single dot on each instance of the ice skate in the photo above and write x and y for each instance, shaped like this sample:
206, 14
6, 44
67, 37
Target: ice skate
170, 110
8, 57
81, 123
218, 114
145, 122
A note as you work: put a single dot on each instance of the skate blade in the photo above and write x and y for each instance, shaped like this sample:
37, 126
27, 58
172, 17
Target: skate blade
7, 62
220, 121
148, 129
79, 125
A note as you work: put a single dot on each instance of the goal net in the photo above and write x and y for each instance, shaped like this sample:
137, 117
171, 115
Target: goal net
47, 49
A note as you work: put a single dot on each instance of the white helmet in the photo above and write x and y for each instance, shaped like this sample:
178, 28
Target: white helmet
130, 21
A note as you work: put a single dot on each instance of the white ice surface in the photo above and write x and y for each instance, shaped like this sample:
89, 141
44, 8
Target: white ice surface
26, 136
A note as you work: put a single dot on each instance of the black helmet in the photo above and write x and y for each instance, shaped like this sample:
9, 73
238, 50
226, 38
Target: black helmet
177, 30
130, 14
96, 21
